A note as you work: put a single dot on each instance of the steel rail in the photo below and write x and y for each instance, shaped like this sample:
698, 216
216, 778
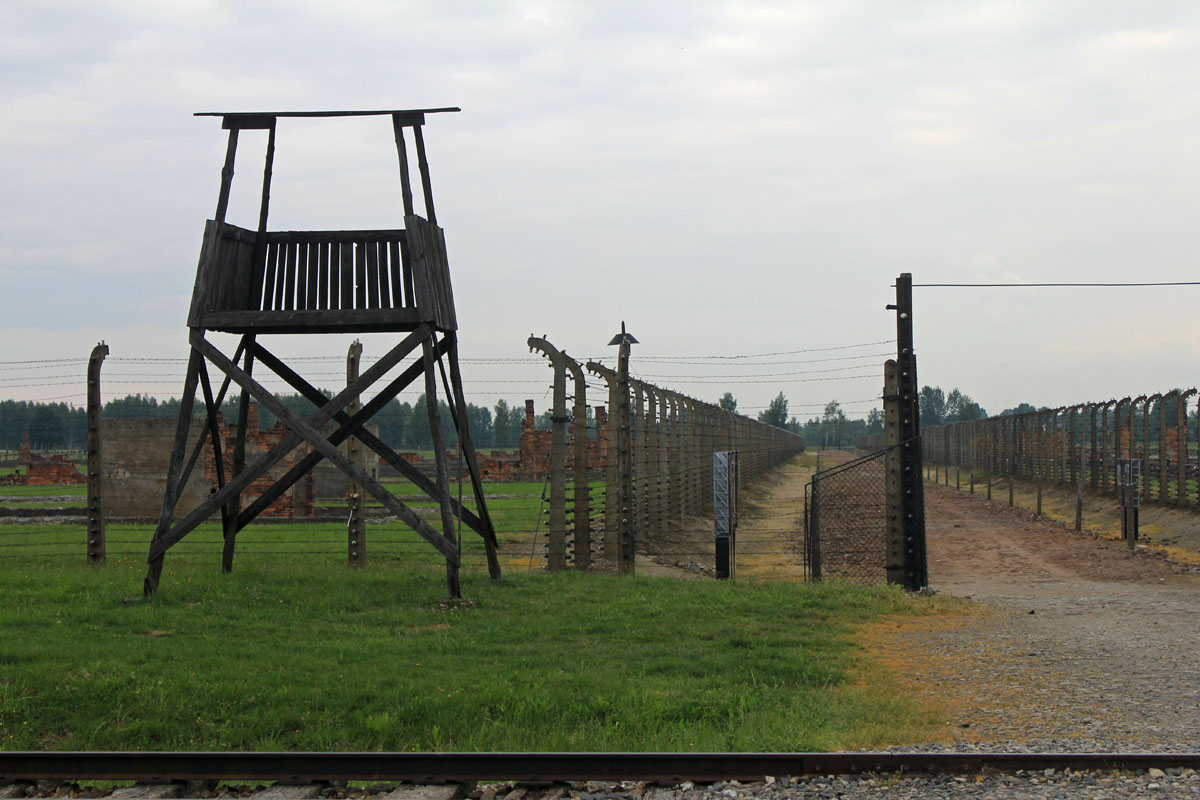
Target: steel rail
541, 767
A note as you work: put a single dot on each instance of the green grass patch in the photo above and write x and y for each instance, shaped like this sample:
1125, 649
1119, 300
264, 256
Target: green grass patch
71, 490
288, 654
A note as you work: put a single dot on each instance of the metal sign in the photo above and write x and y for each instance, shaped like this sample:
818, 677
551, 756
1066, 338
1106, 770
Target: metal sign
1129, 473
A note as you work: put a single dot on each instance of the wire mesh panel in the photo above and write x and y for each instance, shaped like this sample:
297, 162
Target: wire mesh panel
846, 534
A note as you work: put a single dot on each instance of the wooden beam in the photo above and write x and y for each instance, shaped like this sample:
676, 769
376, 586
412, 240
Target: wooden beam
426, 184
163, 542
402, 153
351, 425
227, 175
311, 435
174, 467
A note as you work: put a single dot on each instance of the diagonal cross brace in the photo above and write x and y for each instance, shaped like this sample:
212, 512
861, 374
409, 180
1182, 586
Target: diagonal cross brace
352, 426
311, 435
168, 538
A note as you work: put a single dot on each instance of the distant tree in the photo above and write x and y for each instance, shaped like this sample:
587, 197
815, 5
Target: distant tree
1023, 408
960, 407
874, 421
479, 423
506, 425
728, 402
833, 421
48, 426
932, 406
776, 413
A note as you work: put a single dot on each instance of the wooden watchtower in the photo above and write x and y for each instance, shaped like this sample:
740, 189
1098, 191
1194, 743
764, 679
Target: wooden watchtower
256, 283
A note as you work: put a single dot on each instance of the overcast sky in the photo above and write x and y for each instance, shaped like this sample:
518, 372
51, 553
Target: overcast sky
728, 178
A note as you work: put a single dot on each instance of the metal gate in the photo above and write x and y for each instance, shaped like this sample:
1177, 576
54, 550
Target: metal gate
845, 521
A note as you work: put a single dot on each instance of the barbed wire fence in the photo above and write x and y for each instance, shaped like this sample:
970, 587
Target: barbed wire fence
1073, 446
675, 437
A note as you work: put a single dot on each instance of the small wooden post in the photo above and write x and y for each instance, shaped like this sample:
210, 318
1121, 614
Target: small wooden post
96, 544
356, 533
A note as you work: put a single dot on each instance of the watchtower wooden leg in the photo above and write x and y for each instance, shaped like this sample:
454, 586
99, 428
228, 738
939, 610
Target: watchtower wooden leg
439, 458
174, 485
233, 507
489, 529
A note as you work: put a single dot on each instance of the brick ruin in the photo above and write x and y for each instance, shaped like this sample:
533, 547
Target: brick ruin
534, 463
136, 452
297, 501
47, 470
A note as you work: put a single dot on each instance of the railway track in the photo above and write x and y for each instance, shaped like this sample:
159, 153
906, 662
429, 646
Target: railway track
540, 768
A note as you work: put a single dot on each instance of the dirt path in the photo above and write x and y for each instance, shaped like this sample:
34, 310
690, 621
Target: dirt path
1072, 643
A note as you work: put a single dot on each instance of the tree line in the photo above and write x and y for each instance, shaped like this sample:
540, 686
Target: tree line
834, 429
402, 426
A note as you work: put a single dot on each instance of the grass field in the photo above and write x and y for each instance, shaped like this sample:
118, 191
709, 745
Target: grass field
303, 655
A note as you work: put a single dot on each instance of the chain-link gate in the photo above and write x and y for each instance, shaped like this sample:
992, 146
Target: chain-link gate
845, 521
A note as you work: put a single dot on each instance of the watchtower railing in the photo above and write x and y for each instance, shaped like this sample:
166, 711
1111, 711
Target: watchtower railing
295, 281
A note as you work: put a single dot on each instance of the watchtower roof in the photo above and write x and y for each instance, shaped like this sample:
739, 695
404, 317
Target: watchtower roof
264, 119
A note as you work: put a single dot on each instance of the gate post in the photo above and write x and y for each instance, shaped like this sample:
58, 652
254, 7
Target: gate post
96, 544
912, 494
893, 465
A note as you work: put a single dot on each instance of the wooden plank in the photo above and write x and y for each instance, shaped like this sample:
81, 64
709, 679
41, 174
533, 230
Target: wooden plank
410, 297
408, 116
335, 274
448, 320
204, 275
322, 276
368, 320
397, 283
360, 275
347, 277
266, 299
370, 235
299, 291
372, 274
280, 277
235, 233
289, 277
314, 267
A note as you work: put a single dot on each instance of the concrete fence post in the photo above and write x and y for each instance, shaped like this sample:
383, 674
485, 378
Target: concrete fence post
356, 530
97, 546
